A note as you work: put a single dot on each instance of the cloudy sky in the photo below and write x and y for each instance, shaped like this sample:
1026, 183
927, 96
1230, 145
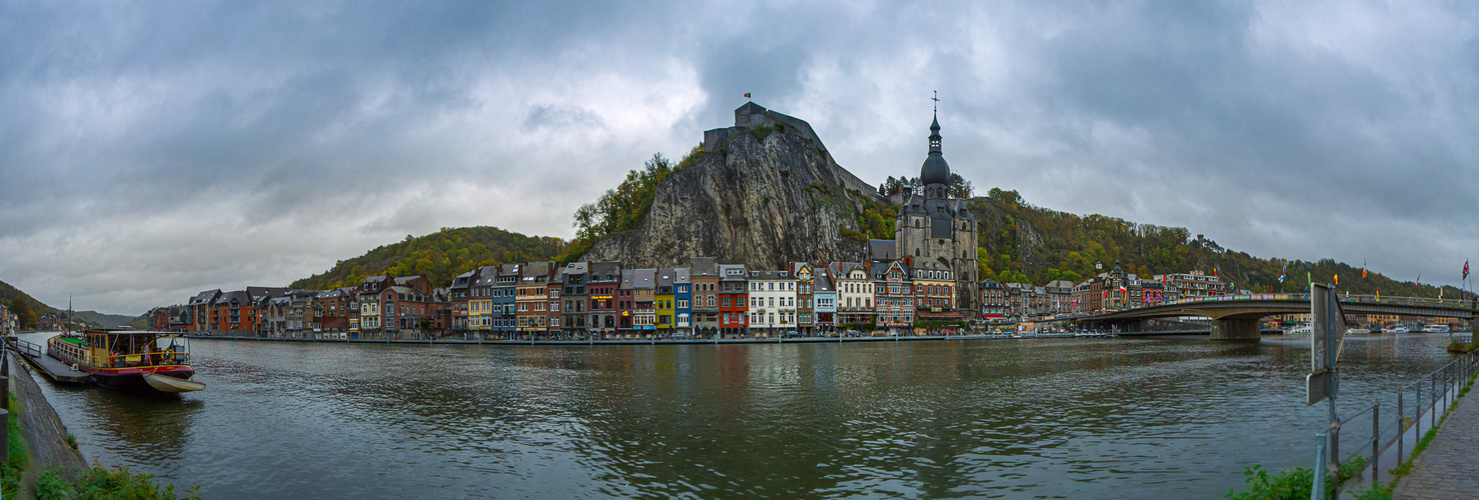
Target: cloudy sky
151, 150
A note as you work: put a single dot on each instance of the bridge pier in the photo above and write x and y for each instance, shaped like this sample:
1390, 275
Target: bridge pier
1236, 329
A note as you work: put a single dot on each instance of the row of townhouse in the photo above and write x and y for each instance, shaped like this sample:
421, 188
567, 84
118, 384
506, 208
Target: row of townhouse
1114, 290
543, 300
707, 299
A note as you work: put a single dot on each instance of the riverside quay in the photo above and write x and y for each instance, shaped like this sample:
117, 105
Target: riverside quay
705, 300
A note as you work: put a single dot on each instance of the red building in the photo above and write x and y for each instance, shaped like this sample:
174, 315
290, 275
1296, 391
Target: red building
331, 313
734, 299
605, 313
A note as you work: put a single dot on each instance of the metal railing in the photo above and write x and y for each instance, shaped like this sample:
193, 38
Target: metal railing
1348, 299
1419, 407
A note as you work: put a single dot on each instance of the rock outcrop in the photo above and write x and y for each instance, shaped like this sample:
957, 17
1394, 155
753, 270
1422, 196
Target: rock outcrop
763, 193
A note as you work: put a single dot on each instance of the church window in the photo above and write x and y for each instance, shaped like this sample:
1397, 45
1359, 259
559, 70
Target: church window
916, 252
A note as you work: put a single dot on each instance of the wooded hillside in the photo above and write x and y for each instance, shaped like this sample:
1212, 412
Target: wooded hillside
439, 256
1023, 243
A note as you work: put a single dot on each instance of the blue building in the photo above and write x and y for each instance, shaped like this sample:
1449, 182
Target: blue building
503, 300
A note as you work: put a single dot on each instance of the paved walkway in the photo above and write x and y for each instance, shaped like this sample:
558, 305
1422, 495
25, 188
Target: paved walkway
1449, 468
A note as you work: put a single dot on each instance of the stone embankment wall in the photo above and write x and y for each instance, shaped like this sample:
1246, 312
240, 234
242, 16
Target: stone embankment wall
45, 433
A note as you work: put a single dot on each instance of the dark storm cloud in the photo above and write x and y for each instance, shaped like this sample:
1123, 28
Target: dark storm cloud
254, 143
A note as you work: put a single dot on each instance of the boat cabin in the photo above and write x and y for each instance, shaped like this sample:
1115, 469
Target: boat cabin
125, 348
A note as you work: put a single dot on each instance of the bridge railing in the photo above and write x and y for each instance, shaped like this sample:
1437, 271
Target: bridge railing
1347, 298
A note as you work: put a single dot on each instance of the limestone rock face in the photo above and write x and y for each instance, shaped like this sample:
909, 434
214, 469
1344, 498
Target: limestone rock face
762, 196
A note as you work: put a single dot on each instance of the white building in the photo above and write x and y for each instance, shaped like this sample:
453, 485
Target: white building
772, 302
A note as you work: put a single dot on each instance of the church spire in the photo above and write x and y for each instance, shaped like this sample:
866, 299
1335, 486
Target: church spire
935, 170
935, 127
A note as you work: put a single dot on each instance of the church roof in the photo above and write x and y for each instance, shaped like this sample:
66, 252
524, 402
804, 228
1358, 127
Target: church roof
883, 250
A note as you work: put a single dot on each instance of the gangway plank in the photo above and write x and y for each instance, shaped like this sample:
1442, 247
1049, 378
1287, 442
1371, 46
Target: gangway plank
51, 367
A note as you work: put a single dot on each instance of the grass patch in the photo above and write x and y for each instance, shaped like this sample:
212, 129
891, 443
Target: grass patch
100, 482
19, 458
1461, 347
763, 131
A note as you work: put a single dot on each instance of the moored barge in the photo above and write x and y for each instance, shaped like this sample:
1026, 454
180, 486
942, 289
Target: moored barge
128, 360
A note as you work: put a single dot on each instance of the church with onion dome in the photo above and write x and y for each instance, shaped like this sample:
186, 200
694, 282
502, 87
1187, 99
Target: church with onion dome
936, 234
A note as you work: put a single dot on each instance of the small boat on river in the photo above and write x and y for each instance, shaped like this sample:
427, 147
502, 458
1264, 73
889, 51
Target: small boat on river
129, 360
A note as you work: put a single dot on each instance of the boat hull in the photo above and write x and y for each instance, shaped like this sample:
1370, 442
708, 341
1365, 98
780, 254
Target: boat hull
166, 383
134, 381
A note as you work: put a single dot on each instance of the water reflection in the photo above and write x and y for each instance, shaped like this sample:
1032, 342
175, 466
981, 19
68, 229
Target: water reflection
1046, 418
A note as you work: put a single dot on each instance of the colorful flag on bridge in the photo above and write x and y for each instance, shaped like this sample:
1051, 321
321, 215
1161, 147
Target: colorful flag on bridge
1363, 268
1285, 272
1336, 279
1466, 269
1419, 280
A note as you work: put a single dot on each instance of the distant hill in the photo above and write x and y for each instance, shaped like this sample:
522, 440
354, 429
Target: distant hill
103, 319
439, 256
8, 292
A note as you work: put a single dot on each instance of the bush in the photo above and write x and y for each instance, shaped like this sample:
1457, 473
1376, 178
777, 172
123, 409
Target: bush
100, 482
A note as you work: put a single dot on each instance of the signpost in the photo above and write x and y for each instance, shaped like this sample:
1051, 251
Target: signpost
1326, 340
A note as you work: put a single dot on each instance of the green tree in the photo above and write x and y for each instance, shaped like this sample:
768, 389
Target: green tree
959, 187
23, 313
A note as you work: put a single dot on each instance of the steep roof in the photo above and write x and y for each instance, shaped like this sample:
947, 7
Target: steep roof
205, 297
704, 266
883, 250
822, 283
605, 272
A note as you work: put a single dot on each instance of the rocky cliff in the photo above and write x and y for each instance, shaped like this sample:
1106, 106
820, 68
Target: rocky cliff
764, 192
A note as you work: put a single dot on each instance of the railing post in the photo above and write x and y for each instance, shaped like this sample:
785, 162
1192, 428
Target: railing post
1335, 447
1376, 440
5, 436
1317, 490
1433, 415
1401, 429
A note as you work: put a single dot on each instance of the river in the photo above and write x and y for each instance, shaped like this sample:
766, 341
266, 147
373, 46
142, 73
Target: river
1171, 417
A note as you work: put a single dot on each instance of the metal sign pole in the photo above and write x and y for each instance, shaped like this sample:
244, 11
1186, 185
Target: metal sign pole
1326, 340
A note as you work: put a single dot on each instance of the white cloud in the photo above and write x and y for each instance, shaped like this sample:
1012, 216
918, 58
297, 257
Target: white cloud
150, 153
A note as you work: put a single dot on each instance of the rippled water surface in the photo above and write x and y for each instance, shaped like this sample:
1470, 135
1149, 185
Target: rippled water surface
1046, 418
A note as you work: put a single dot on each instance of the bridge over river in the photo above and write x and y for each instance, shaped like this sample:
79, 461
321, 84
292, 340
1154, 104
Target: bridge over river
1236, 317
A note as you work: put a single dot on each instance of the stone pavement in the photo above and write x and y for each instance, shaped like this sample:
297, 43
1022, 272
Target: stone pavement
1449, 468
